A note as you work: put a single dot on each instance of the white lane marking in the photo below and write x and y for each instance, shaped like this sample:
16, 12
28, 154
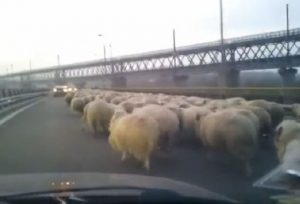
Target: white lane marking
13, 114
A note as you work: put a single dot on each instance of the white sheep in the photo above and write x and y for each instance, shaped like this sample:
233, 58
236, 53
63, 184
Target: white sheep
234, 101
98, 115
77, 104
134, 134
233, 132
190, 118
286, 131
274, 109
167, 121
68, 97
263, 116
296, 110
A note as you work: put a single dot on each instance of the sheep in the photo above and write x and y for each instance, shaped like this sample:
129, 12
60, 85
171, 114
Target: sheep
175, 109
264, 118
231, 131
197, 101
277, 113
117, 100
180, 103
109, 96
191, 120
99, 96
98, 116
167, 121
296, 110
77, 104
127, 106
118, 112
285, 132
292, 152
217, 104
88, 98
134, 134
260, 103
274, 109
149, 100
68, 97
235, 101
164, 98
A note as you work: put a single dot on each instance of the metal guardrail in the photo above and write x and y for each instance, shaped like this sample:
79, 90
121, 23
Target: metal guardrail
9, 103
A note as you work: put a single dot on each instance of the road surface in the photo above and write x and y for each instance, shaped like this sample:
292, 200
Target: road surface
48, 137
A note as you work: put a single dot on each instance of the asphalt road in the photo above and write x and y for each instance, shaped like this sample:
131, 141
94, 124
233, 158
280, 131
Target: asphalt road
48, 137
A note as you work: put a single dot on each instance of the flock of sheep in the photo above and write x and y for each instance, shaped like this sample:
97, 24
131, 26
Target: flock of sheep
137, 124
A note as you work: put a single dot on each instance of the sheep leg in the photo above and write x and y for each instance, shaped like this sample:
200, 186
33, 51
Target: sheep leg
147, 164
94, 128
124, 156
83, 128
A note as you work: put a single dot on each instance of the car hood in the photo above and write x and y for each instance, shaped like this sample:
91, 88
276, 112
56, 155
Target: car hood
39, 182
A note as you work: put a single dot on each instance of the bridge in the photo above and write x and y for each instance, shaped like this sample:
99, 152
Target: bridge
280, 49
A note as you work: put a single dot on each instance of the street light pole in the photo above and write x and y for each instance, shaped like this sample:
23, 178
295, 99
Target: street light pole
104, 52
104, 48
58, 60
287, 31
174, 48
221, 32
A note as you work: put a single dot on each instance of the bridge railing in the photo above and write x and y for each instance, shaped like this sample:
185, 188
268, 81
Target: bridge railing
9, 103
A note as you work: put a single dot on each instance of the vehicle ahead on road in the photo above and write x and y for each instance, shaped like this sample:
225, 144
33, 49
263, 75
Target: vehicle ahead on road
61, 90
101, 187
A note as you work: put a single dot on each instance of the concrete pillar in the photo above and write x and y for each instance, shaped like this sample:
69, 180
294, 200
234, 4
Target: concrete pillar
228, 77
180, 80
288, 77
118, 81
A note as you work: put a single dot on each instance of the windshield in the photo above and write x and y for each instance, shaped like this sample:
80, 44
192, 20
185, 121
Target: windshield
203, 92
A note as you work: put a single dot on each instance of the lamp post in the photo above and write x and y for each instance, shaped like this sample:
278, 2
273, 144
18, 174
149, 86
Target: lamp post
221, 32
58, 59
174, 48
287, 31
104, 48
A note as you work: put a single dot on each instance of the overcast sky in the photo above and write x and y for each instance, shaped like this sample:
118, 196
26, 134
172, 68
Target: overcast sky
41, 29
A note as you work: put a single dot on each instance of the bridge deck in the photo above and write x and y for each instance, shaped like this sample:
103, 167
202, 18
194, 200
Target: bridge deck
48, 138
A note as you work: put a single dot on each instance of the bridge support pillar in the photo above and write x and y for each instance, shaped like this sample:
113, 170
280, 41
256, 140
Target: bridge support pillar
180, 80
228, 77
118, 82
288, 77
